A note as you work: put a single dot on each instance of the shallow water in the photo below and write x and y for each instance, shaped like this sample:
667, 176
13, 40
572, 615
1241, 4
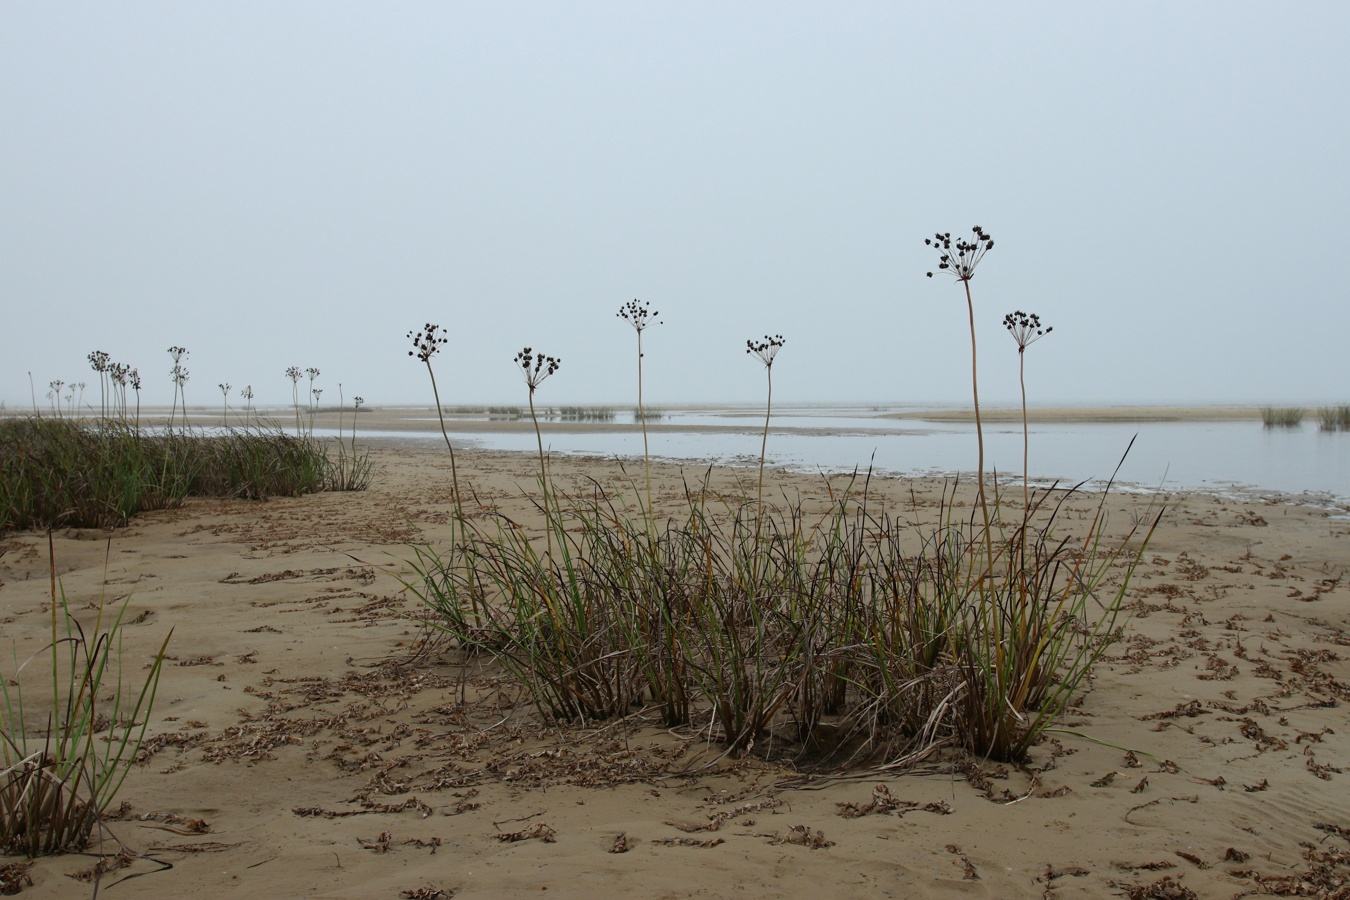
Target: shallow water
1222, 456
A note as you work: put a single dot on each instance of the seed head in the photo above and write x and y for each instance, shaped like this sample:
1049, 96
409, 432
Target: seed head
639, 315
1025, 328
224, 387
135, 376
766, 349
426, 342
536, 366
312, 373
177, 353
293, 373
98, 361
960, 257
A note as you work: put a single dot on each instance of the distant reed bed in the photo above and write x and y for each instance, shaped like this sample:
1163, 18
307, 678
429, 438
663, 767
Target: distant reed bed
1333, 418
1282, 416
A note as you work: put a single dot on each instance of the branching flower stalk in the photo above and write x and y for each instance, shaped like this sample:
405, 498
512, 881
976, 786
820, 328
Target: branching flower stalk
247, 394
225, 403
426, 344
640, 316
356, 408
293, 373
1026, 330
313, 400
959, 258
765, 351
134, 376
99, 361
179, 374
536, 367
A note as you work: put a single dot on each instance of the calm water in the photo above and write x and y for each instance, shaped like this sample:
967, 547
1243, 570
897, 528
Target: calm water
1224, 456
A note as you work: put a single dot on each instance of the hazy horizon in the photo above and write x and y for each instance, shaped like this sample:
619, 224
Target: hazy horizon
291, 184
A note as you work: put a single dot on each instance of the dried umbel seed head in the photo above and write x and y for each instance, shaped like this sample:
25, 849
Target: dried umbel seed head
119, 372
316, 392
247, 393
312, 373
426, 342
56, 385
177, 353
639, 315
536, 366
180, 375
224, 387
293, 373
359, 401
1026, 328
135, 376
98, 361
766, 349
960, 257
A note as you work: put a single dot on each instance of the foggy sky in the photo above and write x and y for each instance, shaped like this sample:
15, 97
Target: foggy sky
276, 183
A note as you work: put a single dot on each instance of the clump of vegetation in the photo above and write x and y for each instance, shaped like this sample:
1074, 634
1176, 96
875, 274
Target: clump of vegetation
1333, 418
58, 777
582, 413
64, 473
1282, 416
850, 634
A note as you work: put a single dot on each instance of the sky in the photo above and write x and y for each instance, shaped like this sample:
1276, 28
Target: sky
274, 184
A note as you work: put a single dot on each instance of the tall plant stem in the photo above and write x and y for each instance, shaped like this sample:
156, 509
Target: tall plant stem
763, 449
642, 415
979, 430
454, 473
543, 476
1022, 379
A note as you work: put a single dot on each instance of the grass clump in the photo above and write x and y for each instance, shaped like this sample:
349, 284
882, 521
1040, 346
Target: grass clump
1333, 418
58, 777
848, 634
845, 634
65, 473
1282, 416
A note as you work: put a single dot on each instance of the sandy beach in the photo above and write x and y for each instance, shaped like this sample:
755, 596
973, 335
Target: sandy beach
307, 742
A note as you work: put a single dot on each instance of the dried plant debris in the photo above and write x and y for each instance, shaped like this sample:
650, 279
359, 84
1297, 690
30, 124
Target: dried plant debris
368, 807
14, 877
718, 819
102, 866
883, 802
379, 844
688, 842
1165, 888
539, 830
427, 893
1193, 859
968, 871
1190, 709
803, 836
622, 843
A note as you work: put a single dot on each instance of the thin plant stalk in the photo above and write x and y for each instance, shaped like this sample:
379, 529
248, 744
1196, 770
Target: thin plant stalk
536, 367
640, 316
979, 431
